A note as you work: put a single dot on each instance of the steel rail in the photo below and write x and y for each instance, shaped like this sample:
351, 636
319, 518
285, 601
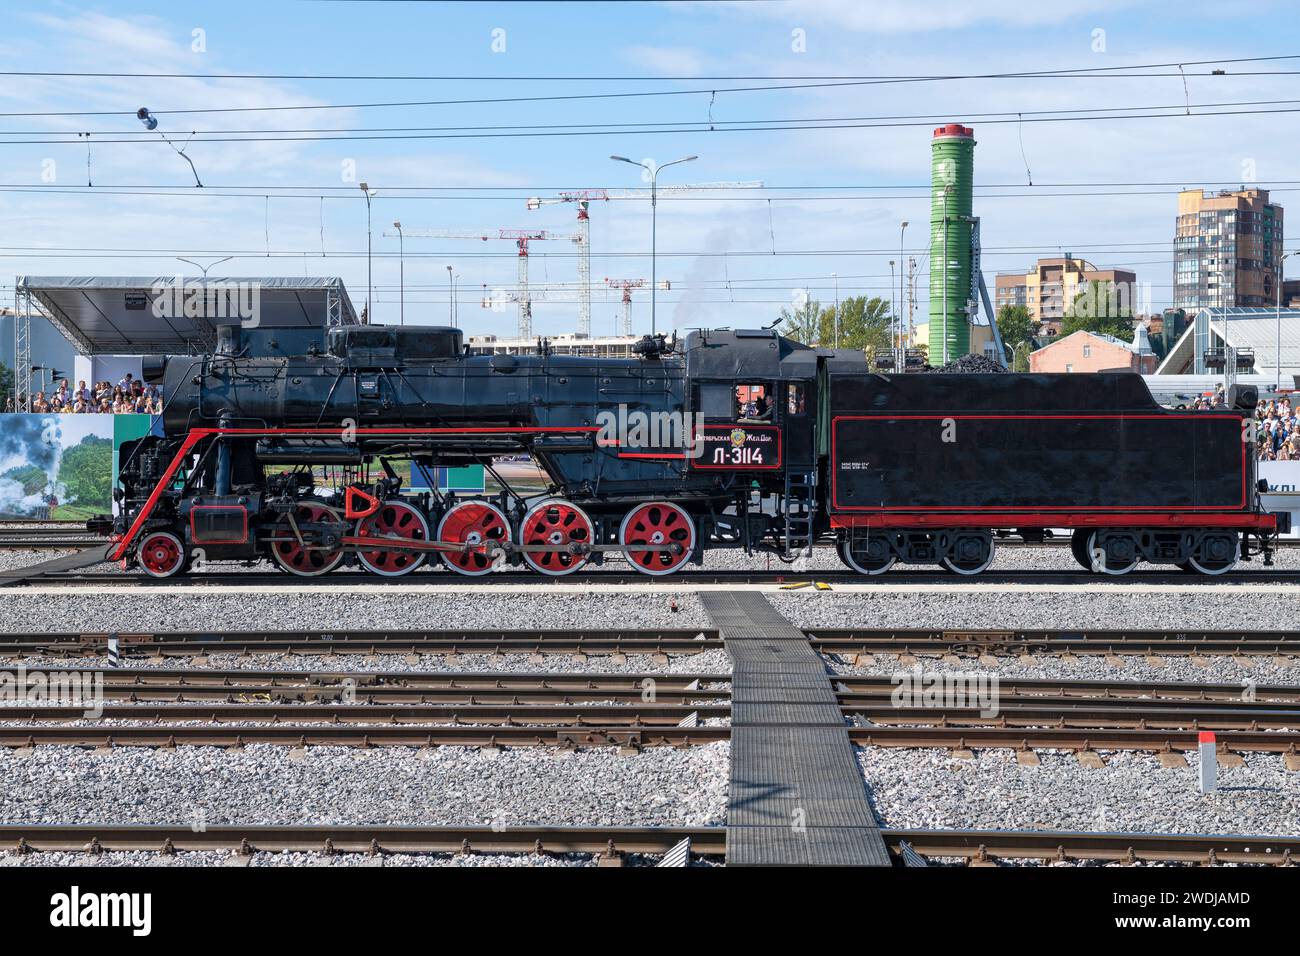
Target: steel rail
452, 642
342, 735
919, 643
1065, 846
972, 845
617, 577
1056, 717
375, 840
1029, 690
600, 715
1072, 738
24, 736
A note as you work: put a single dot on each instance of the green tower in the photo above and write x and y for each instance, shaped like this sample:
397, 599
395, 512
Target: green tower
952, 171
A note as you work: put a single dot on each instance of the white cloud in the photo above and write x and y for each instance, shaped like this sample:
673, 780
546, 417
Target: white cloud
669, 60
911, 16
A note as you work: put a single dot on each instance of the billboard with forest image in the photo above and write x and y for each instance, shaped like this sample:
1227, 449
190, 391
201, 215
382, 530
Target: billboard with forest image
58, 467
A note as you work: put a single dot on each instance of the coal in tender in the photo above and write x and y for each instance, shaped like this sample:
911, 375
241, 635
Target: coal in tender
970, 364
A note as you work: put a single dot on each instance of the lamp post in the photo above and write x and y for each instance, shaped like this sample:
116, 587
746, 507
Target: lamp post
370, 315
401, 270
893, 318
836, 277
1281, 271
654, 203
898, 316
451, 299
455, 299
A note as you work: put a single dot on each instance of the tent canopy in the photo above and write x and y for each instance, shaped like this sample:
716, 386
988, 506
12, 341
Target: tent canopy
119, 315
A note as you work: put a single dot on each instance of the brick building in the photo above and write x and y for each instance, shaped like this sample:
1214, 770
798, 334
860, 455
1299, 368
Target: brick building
1089, 352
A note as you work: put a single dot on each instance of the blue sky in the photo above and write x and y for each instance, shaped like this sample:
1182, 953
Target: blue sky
814, 233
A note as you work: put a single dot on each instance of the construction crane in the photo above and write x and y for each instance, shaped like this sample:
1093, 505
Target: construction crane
521, 239
627, 285
584, 198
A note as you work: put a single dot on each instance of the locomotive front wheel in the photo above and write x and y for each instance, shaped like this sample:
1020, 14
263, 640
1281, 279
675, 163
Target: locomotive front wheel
298, 558
561, 527
394, 518
657, 523
162, 555
868, 555
473, 523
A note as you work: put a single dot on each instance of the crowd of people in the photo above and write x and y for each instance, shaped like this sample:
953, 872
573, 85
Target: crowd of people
128, 396
1277, 434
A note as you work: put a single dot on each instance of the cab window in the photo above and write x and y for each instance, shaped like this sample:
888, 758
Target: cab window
753, 402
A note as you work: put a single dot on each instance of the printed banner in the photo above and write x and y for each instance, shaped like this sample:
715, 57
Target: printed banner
56, 467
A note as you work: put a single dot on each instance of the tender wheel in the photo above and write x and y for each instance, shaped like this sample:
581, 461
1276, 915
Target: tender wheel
474, 523
974, 555
555, 523
657, 523
868, 554
1079, 548
1216, 554
1106, 565
394, 519
300, 559
161, 554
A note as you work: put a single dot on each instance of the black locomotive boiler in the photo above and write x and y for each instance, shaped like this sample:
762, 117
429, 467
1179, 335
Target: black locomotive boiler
739, 439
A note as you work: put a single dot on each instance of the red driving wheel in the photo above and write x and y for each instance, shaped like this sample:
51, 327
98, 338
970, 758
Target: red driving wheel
300, 558
472, 523
558, 526
398, 519
659, 523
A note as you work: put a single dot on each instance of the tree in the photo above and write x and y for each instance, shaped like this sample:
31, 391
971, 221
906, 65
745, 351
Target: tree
863, 324
1099, 309
6, 381
1016, 326
803, 324
86, 471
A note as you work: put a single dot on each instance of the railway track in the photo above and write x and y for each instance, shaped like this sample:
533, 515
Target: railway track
578, 642
974, 846
850, 643
257, 578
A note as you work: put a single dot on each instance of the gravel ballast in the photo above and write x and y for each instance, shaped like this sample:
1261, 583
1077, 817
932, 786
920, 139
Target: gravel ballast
1206, 609
1132, 793
525, 786
322, 609
1216, 670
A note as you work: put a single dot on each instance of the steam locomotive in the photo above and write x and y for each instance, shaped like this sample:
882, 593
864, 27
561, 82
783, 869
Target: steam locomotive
297, 452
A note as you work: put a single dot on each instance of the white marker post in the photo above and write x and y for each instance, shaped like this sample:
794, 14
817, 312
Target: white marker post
1209, 762
114, 652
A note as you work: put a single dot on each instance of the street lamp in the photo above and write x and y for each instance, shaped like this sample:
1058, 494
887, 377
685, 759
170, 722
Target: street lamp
654, 202
898, 316
451, 299
1281, 269
836, 277
893, 319
401, 270
204, 269
370, 315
